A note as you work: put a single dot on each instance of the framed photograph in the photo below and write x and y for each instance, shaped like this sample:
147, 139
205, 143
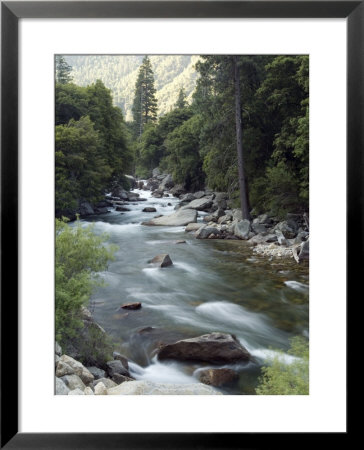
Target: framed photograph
233, 128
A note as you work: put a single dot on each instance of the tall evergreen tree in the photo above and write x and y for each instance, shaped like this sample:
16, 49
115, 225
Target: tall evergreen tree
182, 99
63, 70
145, 102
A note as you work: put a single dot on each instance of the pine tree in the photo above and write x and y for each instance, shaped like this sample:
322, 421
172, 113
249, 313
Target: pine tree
182, 100
145, 102
63, 70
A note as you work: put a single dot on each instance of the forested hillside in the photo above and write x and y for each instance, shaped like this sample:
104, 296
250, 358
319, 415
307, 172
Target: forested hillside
119, 73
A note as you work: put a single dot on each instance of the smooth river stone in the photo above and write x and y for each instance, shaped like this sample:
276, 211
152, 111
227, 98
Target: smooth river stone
142, 387
180, 218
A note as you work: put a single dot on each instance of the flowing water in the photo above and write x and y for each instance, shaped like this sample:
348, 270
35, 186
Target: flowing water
213, 285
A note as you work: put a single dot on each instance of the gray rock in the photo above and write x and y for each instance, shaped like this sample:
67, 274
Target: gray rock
200, 204
237, 214
207, 230
264, 219
259, 228
63, 369
305, 251
287, 228
106, 382
88, 391
187, 198
58, 349
100, 389
56, 359
210, 218
96, 372
281, 239
156, 172
76, 392
60, 387
124, 361
242, 229
224, 219
167, 183
199, 194
301, 236
79, 369
193, 226
116, 366
142, 387
177, 190
73, 382
215, 348
162, 260
180, 218
121, 378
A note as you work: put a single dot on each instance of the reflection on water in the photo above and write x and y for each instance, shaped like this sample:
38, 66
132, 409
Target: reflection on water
213, 285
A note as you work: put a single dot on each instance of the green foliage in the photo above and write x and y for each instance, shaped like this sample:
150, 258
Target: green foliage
93, 146
183, 160
151, 147
280, 378
119, 73
79, 255
145, 101
81, 171
63, 70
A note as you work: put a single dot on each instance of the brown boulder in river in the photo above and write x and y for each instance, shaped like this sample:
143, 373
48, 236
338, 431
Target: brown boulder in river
162, 260
215, 348
218, 377
136, 305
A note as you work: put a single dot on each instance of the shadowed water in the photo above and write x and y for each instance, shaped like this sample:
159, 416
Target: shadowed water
213, 285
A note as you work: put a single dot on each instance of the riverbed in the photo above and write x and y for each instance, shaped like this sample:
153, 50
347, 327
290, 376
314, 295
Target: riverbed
213, 285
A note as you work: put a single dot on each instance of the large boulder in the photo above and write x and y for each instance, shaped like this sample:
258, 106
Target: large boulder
63, 368
200, 204
96, 372
124, 361
177, 190
100, 388
156, 172
199, 194
162, 260
187, 198
79, 369
288, 228
167, 183
73, 382
242, 229
214, 348
107, 382
180, 218
142, 387
206, 231
116, 366
218, 377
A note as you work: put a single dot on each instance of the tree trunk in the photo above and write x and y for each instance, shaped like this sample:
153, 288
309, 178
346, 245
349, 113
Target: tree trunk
239, 143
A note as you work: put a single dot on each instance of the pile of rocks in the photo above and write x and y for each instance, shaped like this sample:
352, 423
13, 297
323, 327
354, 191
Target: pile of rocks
73, 378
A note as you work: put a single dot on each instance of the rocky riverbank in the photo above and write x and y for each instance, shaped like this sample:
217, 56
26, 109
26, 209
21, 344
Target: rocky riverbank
113, 377
269, 236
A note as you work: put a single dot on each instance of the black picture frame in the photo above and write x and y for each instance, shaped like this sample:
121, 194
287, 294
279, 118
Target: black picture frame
11, 12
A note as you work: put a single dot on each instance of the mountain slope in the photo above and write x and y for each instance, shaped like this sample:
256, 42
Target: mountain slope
119, 73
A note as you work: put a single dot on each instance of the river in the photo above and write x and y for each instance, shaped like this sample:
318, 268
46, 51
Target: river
213, 285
